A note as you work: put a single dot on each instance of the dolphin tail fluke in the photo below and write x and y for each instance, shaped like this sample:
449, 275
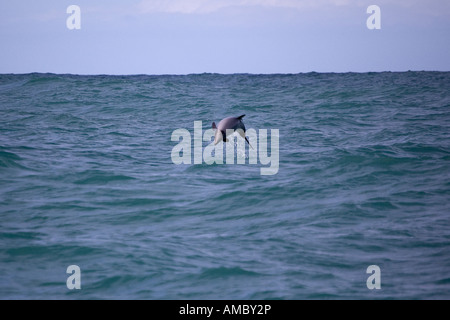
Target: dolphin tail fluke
240, 117
214, 125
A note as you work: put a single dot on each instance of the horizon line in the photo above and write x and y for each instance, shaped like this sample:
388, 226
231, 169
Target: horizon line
216, 73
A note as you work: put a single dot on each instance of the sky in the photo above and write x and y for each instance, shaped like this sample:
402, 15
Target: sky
223, 36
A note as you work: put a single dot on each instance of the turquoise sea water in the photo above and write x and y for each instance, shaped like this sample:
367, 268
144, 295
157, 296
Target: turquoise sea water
87, 179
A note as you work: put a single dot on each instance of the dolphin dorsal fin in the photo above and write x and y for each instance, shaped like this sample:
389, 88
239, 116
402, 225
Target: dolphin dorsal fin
240, 117
214, 125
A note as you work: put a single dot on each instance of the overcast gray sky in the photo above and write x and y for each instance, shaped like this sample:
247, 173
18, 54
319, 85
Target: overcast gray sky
223, 36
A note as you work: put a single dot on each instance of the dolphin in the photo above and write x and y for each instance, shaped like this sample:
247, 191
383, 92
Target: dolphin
229, 123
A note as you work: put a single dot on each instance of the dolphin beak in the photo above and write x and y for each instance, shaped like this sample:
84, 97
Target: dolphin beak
248, 143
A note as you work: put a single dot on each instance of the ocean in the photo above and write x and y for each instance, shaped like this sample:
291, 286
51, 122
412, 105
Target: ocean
87, 179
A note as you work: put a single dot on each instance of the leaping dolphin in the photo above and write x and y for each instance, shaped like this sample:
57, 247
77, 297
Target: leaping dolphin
229, 123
